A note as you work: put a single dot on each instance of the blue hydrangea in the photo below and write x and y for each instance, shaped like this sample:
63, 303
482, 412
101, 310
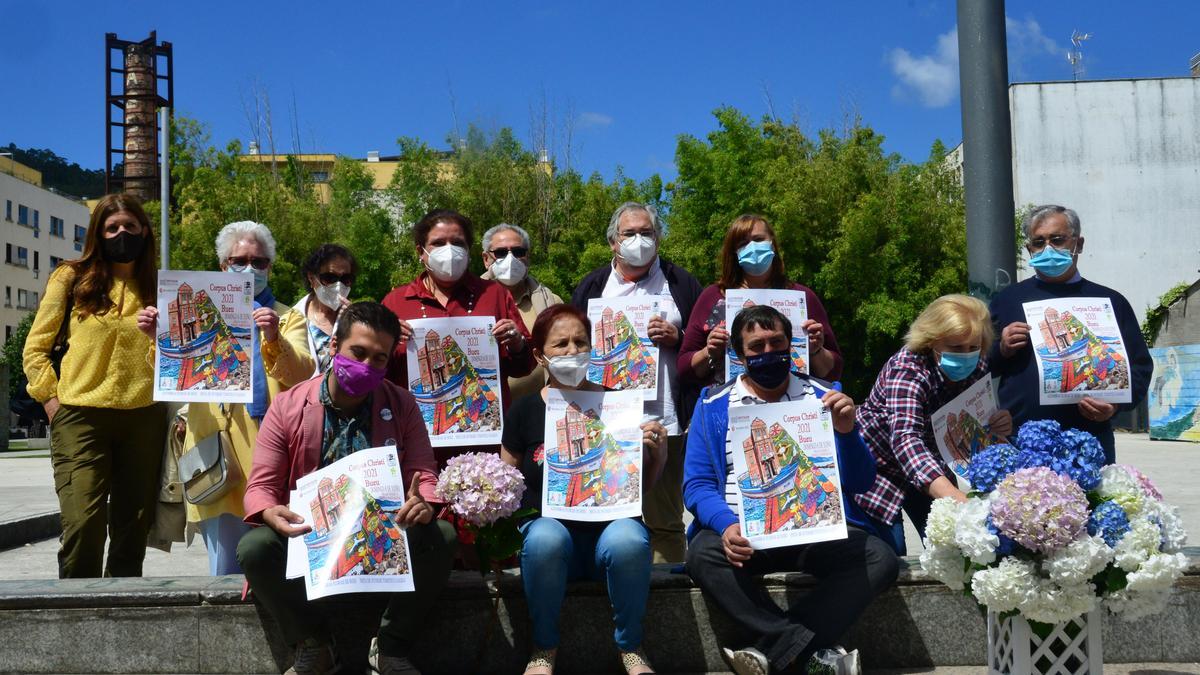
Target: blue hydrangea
1083, 457
990, 465
1109, 521
1006, 545
1040, 436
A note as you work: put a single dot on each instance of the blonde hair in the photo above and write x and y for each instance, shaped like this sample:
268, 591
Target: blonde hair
951, 315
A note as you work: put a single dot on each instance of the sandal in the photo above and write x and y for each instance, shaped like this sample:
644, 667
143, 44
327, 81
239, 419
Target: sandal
541, 658
635, 659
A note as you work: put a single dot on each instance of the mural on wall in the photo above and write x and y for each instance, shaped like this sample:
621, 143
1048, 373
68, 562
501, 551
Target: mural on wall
1174, 402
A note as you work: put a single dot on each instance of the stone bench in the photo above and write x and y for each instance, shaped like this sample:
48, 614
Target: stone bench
201, 625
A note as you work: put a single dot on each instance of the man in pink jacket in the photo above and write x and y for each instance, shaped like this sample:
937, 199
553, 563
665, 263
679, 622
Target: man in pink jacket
349, 408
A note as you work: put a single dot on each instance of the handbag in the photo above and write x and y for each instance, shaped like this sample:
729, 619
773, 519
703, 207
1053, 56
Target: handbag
62, 339
208, 469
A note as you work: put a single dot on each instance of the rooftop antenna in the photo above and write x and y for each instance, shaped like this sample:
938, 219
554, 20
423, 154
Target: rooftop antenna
1075, 56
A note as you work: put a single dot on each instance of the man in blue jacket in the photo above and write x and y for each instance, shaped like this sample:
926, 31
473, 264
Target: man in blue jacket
850, 572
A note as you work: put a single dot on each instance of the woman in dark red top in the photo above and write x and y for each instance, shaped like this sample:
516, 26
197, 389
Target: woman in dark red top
749, 260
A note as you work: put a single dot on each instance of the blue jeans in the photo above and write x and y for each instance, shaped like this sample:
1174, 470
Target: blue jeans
556, 552
221, 536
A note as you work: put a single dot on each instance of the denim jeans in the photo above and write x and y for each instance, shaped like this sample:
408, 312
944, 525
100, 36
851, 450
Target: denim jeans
221, 536
556, 552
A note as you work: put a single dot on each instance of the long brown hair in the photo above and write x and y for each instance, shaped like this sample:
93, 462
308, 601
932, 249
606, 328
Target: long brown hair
93, 274
731, 271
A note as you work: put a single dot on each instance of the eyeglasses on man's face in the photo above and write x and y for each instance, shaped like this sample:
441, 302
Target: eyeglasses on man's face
502, 252
1057, 241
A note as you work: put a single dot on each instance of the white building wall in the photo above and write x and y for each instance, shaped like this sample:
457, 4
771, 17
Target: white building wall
1125, 154
24, 283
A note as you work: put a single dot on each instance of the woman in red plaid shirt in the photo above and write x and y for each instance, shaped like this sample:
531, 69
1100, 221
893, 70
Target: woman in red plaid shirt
939, 360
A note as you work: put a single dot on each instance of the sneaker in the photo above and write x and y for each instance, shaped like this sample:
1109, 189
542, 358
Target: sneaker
834, 661
382, 664
748, 661
313, 658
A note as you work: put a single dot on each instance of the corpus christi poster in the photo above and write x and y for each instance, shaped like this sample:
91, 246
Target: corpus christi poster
961, 426
623, 357
1079, 350
454, 373
203, 340
593, 467
355, 546
785, 462
789, 303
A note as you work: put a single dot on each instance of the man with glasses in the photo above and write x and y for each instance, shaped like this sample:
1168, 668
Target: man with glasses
1054, 242
506, 254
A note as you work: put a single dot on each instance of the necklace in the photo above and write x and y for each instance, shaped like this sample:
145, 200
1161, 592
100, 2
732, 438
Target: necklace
446, 310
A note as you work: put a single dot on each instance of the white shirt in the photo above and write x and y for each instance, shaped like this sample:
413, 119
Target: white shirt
654, 283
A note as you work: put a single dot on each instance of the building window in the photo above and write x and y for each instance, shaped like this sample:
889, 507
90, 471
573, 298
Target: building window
8, 296
33, 297
37, 264
8, 210
22, 257
7, 332
8, 253
57, 228
319, 176
55, 261
80, 233
22, 298
35, 218
22, 214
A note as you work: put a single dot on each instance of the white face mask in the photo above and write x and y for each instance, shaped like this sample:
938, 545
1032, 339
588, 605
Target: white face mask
331, 295
569, 370
447, 263
509, 270
638, 250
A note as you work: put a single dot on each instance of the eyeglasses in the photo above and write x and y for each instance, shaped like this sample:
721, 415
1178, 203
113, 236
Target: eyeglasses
331, 278
517, 251
649, 234
1057, 241
257, 262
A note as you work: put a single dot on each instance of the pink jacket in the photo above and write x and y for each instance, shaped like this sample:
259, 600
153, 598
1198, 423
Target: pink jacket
290, 438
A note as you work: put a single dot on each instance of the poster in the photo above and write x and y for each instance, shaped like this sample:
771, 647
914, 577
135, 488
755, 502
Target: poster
789, 303
203, 340
786, 466
961, 426
1174, 400
623, 357
454, 373
593, 467
355, 546
1079, 350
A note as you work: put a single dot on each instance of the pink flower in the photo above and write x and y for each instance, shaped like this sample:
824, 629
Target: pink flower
480, 487
1144, 480
1040, 509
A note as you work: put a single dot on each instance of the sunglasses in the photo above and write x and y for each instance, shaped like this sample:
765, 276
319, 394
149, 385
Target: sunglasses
517, 251
255, 261
331, 278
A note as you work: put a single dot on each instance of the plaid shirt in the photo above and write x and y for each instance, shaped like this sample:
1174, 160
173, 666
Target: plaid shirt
896, 421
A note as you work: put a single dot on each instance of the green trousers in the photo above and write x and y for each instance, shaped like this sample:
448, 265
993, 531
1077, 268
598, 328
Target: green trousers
106, 473
662, 507
262, 553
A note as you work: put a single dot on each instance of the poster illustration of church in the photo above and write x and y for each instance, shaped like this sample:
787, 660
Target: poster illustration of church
1079, 350
961, 426
791, 304
786, 466
623, 357
593, 455
203, 340
454, 373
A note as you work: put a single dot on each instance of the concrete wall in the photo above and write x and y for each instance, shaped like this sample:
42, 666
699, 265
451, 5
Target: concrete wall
1125, 154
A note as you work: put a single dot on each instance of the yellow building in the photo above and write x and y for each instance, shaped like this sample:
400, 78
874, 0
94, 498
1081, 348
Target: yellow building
319, 167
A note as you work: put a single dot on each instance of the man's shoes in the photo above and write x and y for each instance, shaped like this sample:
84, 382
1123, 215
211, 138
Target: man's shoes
748, 661
313, 658
381, 664
834, 661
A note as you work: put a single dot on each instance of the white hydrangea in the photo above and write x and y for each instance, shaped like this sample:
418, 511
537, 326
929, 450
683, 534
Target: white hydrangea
939, 528
1174, 536
971, 532
1158, 573
1079, 561
1051, 603
1139, 543
1006, 586
1118, 485
1131, 606
946, 564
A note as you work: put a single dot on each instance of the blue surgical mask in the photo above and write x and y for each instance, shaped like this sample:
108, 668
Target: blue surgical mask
958, 366
260, 276
1051, 262
756, 257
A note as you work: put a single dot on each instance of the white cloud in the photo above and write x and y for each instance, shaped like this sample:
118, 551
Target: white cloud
1027, 41
593, 120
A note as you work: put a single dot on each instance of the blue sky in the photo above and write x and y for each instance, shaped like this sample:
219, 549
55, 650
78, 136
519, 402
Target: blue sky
626, 77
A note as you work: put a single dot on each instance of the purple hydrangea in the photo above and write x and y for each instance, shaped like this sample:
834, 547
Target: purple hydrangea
480, 487
1039, 509
1109, 521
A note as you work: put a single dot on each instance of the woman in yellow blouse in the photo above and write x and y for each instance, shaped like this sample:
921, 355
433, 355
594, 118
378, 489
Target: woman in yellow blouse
106, 430
281, 360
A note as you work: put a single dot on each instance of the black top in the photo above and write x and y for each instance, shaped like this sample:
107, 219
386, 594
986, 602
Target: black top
525, 435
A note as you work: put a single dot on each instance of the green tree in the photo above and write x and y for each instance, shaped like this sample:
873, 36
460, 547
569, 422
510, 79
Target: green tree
13, 355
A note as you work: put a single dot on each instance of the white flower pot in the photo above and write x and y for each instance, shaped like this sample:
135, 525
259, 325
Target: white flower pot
1072, 648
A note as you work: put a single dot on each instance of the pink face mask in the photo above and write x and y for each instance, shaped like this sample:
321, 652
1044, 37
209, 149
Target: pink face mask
356, 378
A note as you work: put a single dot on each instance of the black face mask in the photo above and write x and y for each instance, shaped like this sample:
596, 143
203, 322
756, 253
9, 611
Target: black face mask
123, 248
769, 370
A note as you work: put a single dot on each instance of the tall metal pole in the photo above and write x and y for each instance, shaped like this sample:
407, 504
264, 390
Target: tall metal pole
164, 172
987, 146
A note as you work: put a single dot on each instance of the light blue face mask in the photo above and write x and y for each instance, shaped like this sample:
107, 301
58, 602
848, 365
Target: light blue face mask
260, 276
958, 366
756, 257
1051, 262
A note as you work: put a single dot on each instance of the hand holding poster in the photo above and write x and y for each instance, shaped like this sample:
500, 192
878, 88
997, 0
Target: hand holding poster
1079, 350
355, 545
623, 357
454, 373
791, 304
593, 455
785, 461
203, 340
961, 426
